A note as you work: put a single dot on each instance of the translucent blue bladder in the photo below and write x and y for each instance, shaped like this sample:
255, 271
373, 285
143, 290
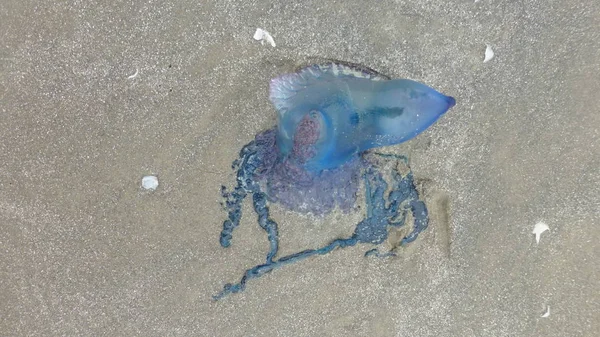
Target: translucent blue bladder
349, 112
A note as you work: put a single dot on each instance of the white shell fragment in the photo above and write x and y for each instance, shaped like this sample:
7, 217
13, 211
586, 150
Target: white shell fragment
131, 77
547, 313
489, 53
262, 36
150, 182
538, 229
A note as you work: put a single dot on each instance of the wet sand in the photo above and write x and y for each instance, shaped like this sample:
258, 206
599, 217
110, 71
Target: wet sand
87, 252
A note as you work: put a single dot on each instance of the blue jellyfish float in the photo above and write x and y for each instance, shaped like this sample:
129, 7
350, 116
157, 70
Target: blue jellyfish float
330, 117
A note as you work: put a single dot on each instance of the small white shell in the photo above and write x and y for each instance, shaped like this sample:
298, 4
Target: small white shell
547, 313
150, 182
131, 77
262, 35
489, 53
538, 229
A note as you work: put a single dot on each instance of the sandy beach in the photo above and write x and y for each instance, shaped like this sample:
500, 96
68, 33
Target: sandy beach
96, 95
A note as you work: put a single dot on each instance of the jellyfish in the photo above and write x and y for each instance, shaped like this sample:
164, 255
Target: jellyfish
331, 118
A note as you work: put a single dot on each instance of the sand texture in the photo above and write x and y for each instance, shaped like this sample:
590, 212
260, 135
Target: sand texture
94, 95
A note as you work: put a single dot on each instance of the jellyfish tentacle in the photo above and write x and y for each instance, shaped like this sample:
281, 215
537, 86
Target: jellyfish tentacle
263, 269
421, 220
249, 162
372, 229
269, 225
234, 208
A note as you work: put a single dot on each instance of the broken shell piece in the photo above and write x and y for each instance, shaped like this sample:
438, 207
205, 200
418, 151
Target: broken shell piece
547, 313
538, 229
489, 53
137, 71
262, 36
150, 182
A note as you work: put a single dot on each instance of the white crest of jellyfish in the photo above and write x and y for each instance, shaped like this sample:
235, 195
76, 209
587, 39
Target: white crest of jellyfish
330, 117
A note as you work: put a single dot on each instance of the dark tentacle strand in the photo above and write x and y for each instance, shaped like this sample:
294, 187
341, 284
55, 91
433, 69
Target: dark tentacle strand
255, 163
